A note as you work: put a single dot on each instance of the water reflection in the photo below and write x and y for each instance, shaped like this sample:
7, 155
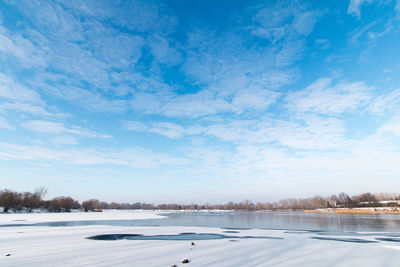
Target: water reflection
289, 221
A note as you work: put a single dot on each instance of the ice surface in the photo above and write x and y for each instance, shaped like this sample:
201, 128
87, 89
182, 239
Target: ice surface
69, 246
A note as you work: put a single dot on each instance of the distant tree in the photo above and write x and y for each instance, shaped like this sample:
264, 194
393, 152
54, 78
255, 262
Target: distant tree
318, 202
8, 199
54, 205
344, 199
35, 199
92, 204
67, 203
104, 205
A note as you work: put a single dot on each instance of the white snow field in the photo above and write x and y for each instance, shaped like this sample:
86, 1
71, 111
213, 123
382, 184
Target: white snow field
30, 218
69, 246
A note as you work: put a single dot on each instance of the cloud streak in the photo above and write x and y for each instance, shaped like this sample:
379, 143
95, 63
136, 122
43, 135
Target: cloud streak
50, 127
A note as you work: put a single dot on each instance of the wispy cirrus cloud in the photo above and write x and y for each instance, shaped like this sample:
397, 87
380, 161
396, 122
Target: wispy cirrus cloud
22, 99
355, 5
323, 97
167, 129
51, 127
392, 126
137, 158
11, 90
17, 47
5, 125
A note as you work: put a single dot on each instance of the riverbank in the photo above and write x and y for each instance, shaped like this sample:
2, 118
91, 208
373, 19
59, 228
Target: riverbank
377, 210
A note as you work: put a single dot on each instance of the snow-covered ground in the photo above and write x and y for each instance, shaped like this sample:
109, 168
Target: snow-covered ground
68, 246
30, 218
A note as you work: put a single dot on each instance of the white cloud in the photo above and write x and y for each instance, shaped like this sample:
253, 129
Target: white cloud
323, 44
195, 105
64, 140
386, 102
304, 23
392, 126
254, 99
143, 16
323, 97
163, 52
5, 125
167, 129
50, 127
355, 5
118, 50
302, 132
355, 35
290, 52
148, 103
31, 109
285, 21
22, 99
17, 47
135, 158
135, 126
11, 90
85, 98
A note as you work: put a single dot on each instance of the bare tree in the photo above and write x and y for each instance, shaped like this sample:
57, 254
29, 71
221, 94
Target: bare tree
92, 204
344, 199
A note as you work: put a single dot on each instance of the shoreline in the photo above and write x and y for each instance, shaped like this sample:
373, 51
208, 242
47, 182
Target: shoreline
379, 210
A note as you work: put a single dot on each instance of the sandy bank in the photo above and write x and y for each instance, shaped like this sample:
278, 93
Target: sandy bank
384, 210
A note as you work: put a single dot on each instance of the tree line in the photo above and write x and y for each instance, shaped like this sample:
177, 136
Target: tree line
29, 201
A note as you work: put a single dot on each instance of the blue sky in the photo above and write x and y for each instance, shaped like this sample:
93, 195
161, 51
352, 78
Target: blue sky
200, 101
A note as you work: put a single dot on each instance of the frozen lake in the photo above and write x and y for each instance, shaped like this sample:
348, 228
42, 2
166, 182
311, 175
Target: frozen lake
144, 238
258, 220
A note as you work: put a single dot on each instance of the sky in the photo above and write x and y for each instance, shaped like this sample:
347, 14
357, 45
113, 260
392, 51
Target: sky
199, 101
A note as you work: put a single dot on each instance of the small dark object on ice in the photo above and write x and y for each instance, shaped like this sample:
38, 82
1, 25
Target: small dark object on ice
192, 243
185, 261
8, 255
174, 265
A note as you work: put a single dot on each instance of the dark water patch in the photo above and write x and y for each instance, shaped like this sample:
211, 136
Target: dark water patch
15, 225
231, 232
234, 240
349, 240
388, 239
176, 237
